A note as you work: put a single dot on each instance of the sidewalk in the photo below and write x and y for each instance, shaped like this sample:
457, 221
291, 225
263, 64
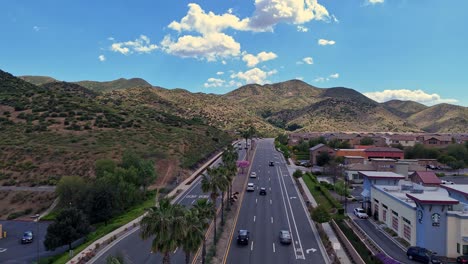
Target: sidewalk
339, 251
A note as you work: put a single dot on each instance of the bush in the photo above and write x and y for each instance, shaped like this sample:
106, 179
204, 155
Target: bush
297, 174
320, 214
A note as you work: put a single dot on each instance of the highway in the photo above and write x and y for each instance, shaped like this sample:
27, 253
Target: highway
264, 216
135, 250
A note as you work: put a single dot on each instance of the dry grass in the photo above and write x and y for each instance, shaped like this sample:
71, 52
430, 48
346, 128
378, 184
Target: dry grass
21, 201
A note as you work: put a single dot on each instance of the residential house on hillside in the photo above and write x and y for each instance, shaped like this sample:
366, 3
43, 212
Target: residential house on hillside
295, 138
404, 140
319, 149
435, 141
350, 152
425, 178
384, 152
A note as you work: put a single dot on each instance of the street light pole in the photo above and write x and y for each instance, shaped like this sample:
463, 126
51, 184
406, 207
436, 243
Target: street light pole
36, 216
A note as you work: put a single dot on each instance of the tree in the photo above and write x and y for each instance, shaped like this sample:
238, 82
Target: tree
114, 260
195, 233
297, 174
205, 211
146, 173
320, 214
213, 184
70, 189
367, 141
70, 225
282, 139
103, 166
166, 224
323, 158
101, 202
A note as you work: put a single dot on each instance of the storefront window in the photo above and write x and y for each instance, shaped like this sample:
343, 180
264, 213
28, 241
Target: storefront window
465, 249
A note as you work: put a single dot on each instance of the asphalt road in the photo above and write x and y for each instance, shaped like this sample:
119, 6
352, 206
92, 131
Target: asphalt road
264, 216
135, 250
13, 252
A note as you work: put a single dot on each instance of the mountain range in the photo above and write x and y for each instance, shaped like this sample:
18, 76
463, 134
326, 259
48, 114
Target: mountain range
52, 128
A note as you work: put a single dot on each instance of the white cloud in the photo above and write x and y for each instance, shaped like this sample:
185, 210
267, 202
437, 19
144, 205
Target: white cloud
111, 38
36, 28
210, 46
223, 62
219, 73
254, 75
253, 60
373, 2
300, 78
102, 58
308, 60
324, 42
326, 79
335, 19
405, 94
140, 45
302, 28
268, 13
214, 82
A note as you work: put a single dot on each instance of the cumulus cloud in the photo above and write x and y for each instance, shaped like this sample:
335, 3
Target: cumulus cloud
214, 82
219, 73
373, 2
102, 58
139, 45
36, 28
210, 46
254, 75
405, 94
326, 79
302, 28
324, 42
308, 60
268, 13
253, 60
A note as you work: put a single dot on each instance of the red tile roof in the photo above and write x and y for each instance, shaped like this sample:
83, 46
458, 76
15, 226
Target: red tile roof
428, 177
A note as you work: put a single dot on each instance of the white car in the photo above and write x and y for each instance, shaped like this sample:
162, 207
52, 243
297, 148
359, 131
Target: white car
360, 213
447, 182
253, 174
250, 187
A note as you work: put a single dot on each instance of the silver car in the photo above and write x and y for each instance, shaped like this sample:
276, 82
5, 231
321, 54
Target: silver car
285, 237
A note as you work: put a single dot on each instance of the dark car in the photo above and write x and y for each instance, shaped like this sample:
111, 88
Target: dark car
262, 191
422, 255
271, 163
243, 237
285, 237
462, 259
27, 237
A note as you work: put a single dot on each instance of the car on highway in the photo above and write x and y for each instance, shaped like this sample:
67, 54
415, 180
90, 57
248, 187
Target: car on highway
250, 187
253, 174
285, 237
262, 191
27, 237
422, 255
360, 213
462, 259
271, 164
243, 237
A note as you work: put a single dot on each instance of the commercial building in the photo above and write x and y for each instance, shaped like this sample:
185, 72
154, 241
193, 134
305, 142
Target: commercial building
424, 213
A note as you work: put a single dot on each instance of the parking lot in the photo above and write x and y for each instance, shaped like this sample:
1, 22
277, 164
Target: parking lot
11, 249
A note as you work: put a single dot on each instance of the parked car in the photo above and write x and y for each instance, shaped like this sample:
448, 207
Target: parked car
285, 237
243, 237
271, 164
250, 187
462, 259
253, 174
27, 237
422, 255
262, 191
447, 182
360, 213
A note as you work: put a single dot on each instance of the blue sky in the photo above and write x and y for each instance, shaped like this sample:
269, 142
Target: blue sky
387, 49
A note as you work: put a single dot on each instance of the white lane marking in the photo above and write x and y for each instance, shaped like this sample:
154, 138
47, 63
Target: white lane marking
251, 246
274, 248
310, 249
255, 200
270, 188
175, 250
270, 201
293, 197
300, 249
2, 250
269, 179
272, 219
194, 201
254, 218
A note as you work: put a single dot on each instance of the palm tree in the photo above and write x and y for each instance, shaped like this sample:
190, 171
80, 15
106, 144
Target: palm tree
205, 212
195, 233
213, 184
166, 223
230, 157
